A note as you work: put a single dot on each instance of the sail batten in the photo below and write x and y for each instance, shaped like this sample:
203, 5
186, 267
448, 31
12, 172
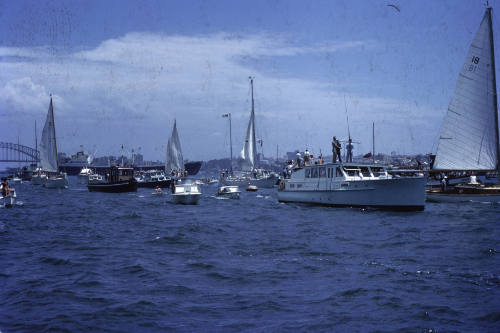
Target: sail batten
48, 148
469, 139
174, 160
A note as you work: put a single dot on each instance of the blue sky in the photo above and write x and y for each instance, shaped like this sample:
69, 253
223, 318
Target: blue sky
121, 71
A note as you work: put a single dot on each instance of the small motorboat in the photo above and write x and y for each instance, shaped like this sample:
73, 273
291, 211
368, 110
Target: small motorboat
9, 200
186, 194
157, 191
231, 192
252, 188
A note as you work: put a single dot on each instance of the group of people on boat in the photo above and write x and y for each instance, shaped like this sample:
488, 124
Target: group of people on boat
178, 173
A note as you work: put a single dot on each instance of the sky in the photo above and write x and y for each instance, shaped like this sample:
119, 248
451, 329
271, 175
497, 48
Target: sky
120, 72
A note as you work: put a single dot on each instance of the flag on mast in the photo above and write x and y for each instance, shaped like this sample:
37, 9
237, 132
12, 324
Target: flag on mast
225, 115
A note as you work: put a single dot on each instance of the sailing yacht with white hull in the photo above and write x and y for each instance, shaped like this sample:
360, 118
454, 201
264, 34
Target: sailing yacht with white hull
48, 153
469, 141
250, 174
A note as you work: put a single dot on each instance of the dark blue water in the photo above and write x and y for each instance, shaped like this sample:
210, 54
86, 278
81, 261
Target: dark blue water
76, 261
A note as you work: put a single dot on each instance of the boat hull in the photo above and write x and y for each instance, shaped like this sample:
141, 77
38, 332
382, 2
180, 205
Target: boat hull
82, 179
113, 188
407, 194
56, 182
259, 182
38, 180
230, 195
153, 184
185, 199
192, 167
465, 194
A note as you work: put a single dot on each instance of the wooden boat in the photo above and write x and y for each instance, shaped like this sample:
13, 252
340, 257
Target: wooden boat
117, 180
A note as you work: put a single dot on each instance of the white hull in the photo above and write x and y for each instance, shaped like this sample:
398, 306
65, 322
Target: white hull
442, 197
230, 195
185, 198
38, 180
259, 182
56, 182
82, 179
395, 193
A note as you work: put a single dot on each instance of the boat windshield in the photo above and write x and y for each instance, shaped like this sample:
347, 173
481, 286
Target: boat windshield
351, 172
378, 171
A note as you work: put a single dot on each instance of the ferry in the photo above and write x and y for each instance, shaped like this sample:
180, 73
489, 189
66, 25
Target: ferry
354, 185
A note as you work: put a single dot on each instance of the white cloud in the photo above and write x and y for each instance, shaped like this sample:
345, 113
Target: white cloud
129, 89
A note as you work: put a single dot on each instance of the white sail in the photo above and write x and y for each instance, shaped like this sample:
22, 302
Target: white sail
48, 148
174, 152
469, 137
249, 151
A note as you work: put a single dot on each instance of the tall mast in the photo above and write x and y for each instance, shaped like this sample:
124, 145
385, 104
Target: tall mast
373, 141
36, 147
230, 146
495, 101
54, 130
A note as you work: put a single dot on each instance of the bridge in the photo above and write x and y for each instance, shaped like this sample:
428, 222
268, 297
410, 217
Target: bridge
14, 152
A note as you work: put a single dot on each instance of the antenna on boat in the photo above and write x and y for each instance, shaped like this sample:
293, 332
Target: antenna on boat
347, 116
373, 142
36, 147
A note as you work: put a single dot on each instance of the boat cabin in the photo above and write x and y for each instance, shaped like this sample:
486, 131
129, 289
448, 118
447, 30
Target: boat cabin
120, 174
337, 171
186, 189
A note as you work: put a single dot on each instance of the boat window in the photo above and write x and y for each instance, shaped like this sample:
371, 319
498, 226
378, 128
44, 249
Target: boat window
365, 172
314, 172
299, 185
322, 172
338, 172
329, 172
308, 172
378, 171
292, 185
351, 172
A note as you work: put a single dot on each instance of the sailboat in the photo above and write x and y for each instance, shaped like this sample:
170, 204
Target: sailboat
469, 143
250, 175
48, 153
174, 163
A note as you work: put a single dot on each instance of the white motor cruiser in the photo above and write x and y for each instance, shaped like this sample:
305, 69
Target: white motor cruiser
83, 176
186, 194
231, 192
353, 185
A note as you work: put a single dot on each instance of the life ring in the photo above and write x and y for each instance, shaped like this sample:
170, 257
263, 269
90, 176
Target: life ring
282, 185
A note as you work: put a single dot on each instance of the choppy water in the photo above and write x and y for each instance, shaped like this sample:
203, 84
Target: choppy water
76, 261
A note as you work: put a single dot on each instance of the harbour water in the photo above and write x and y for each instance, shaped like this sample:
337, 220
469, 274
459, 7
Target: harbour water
74, 261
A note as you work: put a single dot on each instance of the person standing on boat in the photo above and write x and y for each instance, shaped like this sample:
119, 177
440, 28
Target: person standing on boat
349, 147
307, 157
336, 150
5, 188
298, 160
